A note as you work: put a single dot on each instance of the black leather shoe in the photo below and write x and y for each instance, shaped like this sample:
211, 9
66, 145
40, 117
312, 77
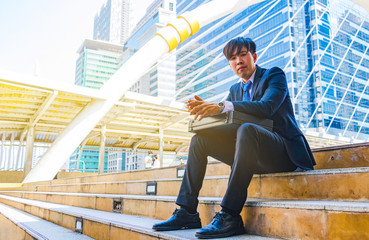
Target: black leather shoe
223, 225
181, 219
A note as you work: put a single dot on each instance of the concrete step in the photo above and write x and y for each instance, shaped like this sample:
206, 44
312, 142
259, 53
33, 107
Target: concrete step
348, 184
16, 224
103, 225
345, 156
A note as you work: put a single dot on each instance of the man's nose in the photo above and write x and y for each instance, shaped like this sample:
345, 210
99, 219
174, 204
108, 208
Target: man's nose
238, 60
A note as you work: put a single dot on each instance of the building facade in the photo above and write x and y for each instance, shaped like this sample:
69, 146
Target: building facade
116, 160
97, 62
160, 79
89, 160
320, 44
135, 160
111, 24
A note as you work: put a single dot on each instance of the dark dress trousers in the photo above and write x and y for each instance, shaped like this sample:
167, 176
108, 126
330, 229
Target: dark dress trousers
252, 149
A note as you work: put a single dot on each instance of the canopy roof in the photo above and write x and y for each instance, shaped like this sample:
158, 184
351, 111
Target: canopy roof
133, 122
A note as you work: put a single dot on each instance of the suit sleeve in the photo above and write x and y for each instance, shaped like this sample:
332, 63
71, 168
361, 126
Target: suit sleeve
274, 91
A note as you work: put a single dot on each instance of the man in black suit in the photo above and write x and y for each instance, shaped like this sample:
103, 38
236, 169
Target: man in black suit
252, 149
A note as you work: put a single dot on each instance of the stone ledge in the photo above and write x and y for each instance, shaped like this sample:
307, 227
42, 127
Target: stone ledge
37, 227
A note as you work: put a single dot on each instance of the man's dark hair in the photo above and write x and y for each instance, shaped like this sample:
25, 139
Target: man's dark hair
237, 44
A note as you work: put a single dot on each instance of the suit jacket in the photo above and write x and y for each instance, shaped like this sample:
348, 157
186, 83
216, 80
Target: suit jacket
270, 99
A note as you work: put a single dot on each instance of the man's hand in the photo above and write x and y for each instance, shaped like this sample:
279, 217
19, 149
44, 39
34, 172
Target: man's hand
193, 103
201, 108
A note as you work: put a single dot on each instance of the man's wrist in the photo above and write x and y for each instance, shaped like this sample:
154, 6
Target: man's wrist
228, 106
221, 106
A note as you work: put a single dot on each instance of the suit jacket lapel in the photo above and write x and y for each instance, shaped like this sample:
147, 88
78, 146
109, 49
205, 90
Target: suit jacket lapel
256, 81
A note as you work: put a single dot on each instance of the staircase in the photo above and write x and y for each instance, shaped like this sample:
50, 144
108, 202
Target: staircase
331, 202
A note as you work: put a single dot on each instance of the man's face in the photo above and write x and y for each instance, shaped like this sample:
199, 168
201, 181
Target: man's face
243, 64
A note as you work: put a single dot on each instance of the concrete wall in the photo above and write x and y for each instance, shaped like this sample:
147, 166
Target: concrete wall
11, 176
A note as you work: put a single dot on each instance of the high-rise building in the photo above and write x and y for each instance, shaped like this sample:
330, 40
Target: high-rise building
322, 46
89, 160
111, 24
160, 79
97, 62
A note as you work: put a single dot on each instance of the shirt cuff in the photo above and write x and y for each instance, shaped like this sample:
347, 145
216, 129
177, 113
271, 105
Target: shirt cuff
228, 106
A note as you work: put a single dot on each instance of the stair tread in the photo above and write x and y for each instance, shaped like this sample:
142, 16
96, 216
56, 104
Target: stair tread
37, 227
130, 222
348, 206
282, 174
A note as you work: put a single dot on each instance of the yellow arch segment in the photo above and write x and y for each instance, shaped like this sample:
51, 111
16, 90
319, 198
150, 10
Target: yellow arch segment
171, 40
194, 24
181, 29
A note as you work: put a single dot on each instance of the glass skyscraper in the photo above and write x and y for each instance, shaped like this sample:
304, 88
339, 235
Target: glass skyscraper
89, 159
112, 22
97, 62
322, 46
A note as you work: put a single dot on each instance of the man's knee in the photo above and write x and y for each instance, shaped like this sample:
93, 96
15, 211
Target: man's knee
247, 130
198, 140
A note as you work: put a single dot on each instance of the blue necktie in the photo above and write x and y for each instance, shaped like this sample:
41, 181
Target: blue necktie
246, 91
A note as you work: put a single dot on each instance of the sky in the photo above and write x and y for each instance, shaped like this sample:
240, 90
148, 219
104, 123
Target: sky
46, 34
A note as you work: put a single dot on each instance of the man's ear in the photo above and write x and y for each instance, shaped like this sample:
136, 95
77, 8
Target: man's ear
255, 57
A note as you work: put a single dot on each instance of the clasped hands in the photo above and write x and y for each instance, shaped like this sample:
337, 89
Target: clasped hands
201, 108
